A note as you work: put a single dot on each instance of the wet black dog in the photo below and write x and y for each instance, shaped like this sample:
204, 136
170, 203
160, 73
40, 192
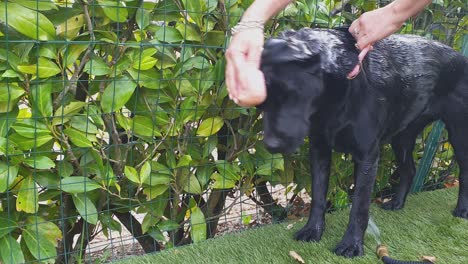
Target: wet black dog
406, 82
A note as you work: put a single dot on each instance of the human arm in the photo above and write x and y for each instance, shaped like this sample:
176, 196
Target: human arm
375, 25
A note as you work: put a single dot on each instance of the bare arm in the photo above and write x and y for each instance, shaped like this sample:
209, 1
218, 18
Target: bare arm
404, 9
380, 23
265, 9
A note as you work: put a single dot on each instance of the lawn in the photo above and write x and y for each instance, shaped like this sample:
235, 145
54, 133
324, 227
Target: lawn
424, 227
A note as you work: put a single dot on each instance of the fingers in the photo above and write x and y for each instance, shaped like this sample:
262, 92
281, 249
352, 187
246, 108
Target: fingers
364, 52
363, 41
353, 29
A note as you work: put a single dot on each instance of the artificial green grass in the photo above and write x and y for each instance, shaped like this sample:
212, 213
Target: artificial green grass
424, 227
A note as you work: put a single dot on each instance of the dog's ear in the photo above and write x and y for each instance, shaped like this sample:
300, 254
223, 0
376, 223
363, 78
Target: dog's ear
278, 50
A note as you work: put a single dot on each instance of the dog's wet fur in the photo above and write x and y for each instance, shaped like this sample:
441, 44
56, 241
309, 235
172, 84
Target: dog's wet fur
406, 82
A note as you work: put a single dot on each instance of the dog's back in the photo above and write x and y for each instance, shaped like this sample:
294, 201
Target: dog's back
410, 74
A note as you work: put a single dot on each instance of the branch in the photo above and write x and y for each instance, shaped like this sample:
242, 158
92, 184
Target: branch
89, 51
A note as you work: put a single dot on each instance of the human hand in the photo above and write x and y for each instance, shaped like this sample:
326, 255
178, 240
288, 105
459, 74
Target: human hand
375, 25
245, 82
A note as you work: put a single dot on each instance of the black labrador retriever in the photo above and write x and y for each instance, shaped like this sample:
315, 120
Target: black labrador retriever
405, 83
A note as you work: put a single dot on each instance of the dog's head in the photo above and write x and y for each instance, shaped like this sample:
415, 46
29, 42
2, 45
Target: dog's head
293, 76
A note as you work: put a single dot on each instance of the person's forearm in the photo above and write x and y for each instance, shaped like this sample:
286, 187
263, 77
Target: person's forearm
264, 9
404, 9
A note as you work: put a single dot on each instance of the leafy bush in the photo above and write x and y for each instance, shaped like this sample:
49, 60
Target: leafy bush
112, 108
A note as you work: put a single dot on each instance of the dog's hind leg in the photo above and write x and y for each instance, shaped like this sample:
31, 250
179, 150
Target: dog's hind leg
458, 131
403, 146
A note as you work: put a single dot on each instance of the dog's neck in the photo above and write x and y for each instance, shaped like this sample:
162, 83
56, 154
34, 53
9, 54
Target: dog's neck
336, 50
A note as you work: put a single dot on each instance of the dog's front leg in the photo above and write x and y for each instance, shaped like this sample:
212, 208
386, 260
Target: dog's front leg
365, 169
320, 157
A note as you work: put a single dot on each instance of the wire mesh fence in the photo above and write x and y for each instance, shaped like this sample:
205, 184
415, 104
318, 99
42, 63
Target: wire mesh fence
117, 136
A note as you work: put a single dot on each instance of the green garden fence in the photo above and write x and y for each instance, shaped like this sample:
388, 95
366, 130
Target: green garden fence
117, 136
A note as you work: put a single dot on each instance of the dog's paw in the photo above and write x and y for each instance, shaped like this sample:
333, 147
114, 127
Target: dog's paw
393, 205
349, 249
461, 212
309, 234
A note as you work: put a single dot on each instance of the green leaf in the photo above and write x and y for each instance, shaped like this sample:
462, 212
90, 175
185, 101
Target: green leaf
210, 126
37, 5
7, 226
42, 98
168, 225
142, 18
132, 174
71, 28
189, 32
31, 128
8, 174
9, 92
26, 21
48, 51
154, 191
196, 10
145, 172
63, 113
156, 234
227, 170
85, 207
150, 79
190, 184
117, 94
44, 68
221, 183
96, 66
198, 224
78, 138
10, 250
169, 35
28, 197
6, 121
148, 221
209, 146
265, 169
25, 143
109, 222
203, 174
40, 162
73, 52
84, 124
79, 184
145, 63
196, 62
157, 179
144, 126
184, 161
41, 237
48, 179
114, 10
